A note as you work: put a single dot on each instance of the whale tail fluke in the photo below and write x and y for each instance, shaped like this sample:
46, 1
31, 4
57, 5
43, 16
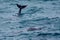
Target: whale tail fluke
20, 6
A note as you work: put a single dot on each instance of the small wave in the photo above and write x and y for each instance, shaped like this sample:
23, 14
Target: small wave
44, 34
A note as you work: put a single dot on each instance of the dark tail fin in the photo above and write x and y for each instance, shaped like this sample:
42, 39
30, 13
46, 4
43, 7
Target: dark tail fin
20, 8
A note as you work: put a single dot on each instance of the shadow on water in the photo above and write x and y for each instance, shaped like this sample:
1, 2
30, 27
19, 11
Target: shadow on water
45, 34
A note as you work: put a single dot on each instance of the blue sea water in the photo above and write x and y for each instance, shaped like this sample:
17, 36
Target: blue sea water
40, 20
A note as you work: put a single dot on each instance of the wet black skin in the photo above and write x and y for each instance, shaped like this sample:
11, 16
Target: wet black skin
20, 8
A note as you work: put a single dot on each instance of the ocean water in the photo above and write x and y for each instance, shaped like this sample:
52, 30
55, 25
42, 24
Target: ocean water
40, 20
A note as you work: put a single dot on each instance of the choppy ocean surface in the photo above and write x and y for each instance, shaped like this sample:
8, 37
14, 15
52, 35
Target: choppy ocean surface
40, 20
